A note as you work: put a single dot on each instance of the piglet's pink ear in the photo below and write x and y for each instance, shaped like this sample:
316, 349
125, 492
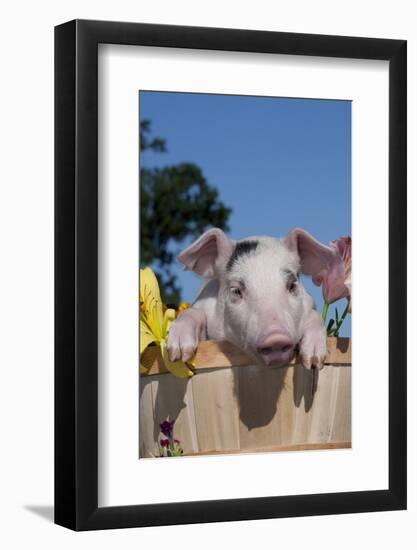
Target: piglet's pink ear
208, 253
316, 258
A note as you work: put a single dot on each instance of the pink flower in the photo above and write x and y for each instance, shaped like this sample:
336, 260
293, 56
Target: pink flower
337, 277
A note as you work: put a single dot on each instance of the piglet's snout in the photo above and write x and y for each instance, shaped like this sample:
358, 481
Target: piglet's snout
276, 348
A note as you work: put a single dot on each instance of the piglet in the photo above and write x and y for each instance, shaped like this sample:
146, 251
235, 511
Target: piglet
253, 297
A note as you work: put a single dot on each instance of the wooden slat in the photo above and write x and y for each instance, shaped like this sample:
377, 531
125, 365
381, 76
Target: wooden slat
249, 409
303, 383
324, 410
266, 407
211, 354
217, 410
279, 406
342, 420
173, 399
224, 409
146, 418
280, 448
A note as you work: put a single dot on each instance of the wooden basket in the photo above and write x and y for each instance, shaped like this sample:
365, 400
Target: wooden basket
233, 406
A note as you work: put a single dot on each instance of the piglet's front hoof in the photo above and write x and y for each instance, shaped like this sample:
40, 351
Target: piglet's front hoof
313, 351
181, 349
182, 341
311, 362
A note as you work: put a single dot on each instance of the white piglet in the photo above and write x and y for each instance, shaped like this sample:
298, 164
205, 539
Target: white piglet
253, 297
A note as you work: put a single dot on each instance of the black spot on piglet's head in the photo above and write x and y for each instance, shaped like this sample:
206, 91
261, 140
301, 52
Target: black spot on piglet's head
241, 248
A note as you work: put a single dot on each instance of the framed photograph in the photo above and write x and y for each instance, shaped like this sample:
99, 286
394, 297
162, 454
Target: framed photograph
230, 243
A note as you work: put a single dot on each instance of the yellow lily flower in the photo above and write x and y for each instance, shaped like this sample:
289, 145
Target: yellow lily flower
155, 323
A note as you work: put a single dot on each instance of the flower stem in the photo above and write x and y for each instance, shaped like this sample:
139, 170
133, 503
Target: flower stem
324, 313
342, 318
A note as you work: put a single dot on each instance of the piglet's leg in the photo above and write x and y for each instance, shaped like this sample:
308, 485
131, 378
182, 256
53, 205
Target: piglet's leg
185, 333
313, 346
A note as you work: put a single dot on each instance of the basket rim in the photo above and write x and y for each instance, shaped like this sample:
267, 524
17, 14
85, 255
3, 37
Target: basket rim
213, 354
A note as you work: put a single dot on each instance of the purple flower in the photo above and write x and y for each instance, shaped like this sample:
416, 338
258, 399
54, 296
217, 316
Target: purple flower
167, 427
164, 442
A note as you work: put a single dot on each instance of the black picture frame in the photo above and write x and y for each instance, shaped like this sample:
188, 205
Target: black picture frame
76, 272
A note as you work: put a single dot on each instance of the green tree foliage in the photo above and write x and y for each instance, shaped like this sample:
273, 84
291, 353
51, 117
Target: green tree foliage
176, 202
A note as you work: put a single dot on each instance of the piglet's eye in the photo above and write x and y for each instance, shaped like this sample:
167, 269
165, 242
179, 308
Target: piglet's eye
235, 290
292, 287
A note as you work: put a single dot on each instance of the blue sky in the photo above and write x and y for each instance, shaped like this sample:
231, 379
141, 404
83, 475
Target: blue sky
277, 162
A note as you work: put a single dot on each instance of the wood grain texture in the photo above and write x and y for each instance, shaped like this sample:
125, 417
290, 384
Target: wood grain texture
266, 413
217, 409
146, 418
281, 448
211, 354
172, 398
342, 417
252, 409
